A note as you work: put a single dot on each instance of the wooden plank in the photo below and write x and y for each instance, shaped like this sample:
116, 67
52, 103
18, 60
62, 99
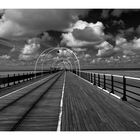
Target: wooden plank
94, 110
43, 117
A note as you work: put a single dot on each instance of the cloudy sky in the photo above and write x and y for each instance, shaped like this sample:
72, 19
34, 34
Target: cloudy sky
99, 37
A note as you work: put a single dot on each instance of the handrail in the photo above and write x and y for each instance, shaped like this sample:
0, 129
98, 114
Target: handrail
14, 79
101, 80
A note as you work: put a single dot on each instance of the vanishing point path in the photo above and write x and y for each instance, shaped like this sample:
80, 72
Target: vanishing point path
64, 102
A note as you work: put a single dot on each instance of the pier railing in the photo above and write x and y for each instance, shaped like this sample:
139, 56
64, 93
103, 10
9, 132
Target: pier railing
127, 88
13, 79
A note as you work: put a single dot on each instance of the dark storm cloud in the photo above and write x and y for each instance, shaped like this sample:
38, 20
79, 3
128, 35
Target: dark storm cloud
27, 28
119, 12
91, 33
105, 13
119, 22
129, 33
114, 19
19, 22
138, 30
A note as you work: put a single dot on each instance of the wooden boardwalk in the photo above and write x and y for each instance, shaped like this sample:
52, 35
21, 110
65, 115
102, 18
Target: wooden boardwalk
84, 107
89, 108
28, 110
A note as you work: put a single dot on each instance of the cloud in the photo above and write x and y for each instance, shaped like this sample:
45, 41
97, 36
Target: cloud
105, 13
46, 37
88, 31
34, 46
129, 45
121, 47
83, 33
120, 41
27, 57
119, 22
87, 55
92, 33
84, 56
5, 57
93, 61
96, 60
30, 50
69, 40
136, 43
105, 49
79, 49
119, 12
129, 33
110, 60
21, 22
138, 29
5, 46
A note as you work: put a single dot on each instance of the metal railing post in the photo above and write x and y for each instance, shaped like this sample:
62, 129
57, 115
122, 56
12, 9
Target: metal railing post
23, 77
98, 79
32, 75
124, 89
4, 83
91, 79
14, 80
8, 81
112, 84
18, 78
27, 75
0, 84
104, 82
84, 75
94, 79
